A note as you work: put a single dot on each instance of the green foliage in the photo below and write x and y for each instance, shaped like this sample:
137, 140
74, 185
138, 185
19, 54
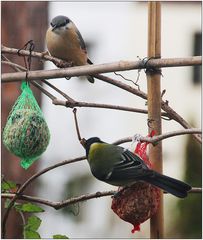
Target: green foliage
30, 229
33, 223
79, 184
28, 207
26, 133
29, 234
7, 202
190, 209
58, 236
7, 186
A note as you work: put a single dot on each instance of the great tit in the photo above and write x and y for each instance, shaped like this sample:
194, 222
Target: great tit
120, 167
64, 41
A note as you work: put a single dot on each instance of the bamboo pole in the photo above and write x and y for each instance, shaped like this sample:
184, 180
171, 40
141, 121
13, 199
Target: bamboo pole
154, 106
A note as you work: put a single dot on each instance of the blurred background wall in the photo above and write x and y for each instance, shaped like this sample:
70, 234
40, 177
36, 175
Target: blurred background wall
20, 22
116, 31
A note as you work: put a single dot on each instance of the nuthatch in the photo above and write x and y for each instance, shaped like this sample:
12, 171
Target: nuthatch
64, 41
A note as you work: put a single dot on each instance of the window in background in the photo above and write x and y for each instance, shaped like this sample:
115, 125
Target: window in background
197, 51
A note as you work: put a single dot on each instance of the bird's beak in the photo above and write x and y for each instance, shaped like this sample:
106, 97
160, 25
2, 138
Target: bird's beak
83, 142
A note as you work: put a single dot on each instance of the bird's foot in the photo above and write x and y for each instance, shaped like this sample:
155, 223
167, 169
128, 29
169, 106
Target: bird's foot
136, 137
118, 193
64, 64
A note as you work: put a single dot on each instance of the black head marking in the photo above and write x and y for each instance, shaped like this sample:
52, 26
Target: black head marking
89, 142
59, 21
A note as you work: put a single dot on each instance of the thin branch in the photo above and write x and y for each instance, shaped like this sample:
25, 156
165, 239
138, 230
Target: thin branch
73, 200
76, 124
161, 137
11, 64
64, 203
164, 105
71, 102
175, 116
106, 79
39, 55
58, 90
48, 94
23, 218
169, 111
16, 67
28, 182
19, 68
65, 162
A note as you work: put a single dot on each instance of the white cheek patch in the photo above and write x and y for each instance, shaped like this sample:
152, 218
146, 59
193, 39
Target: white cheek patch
69, 25
60, 30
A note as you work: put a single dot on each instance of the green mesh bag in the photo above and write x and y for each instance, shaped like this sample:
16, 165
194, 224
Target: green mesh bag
26, 133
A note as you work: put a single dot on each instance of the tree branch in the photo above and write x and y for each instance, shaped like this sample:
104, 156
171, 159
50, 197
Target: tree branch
31, 179
158, 138
73, 200
164, 104
116, 66
99, 68
71, 103
91, 69
86, 70
28, 182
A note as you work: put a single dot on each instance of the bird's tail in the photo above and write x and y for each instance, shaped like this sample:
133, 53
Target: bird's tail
170, 185
90, 79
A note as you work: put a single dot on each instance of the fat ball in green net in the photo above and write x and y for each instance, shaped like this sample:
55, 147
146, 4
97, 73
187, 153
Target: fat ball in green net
26, 133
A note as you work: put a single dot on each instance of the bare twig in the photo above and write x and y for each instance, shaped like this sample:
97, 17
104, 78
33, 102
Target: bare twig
32, 178
58, 90
19, 68
73, 103
76, 124
11, 64
161, 137
42, 56
64, 203
28, 182
73, 200
81, 71
164, 105
48, 94
175, 116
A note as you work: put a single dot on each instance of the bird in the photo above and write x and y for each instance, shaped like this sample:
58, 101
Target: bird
64, 41
118, 166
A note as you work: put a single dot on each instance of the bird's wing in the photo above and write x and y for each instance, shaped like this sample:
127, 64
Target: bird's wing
131, 167
82, 43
